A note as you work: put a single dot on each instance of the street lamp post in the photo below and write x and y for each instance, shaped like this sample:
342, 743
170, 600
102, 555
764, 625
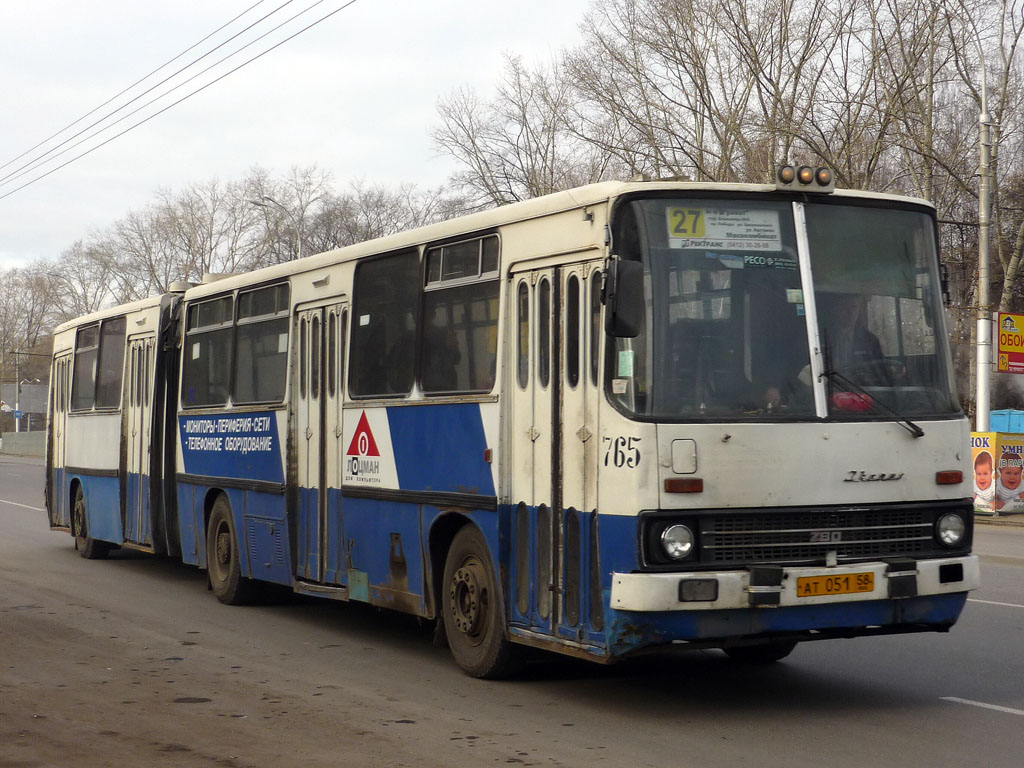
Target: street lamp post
983, 356
266, 201
984, 322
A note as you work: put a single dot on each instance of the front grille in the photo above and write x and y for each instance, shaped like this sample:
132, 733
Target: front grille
805, 535
802, 536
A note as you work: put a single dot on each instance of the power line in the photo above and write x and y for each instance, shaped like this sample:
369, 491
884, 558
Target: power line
188, 95
125, 90
41, 159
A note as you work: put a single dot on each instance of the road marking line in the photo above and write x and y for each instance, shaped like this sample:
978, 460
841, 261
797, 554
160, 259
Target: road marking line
986, 602
983, 705
23, 506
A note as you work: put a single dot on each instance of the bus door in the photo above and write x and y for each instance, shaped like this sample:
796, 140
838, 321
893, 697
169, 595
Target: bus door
138, 420
553, 484
60, 505
317, 393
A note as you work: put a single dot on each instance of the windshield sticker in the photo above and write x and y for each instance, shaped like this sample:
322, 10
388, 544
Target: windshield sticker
773, 262
726, 229
794, 296
730, 260
619, 386
626, 363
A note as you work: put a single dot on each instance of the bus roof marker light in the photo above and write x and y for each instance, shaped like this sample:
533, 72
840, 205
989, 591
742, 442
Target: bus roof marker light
805, 178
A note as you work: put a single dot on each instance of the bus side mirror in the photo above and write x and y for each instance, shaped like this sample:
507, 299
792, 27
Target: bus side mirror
624, 299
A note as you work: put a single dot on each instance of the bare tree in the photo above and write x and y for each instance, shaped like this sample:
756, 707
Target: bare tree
518, 145
78, 281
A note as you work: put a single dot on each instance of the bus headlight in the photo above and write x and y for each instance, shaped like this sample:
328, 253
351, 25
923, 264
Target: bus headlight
950, 529
677, 542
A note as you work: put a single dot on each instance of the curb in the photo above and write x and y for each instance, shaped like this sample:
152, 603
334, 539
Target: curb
1013, 521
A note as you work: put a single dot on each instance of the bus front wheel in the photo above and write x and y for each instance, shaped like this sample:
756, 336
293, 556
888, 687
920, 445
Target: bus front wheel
86, 545
222, 560
474, 620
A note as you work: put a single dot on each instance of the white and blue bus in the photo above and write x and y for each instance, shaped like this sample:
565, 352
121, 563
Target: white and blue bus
611, 419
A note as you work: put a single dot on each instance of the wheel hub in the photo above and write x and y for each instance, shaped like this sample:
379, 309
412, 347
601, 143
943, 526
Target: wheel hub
223, 548
466, 596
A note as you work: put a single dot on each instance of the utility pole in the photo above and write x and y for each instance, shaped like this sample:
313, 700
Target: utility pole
987, 127
17, 390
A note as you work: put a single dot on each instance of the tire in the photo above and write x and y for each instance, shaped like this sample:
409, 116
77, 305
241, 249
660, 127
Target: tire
473, 612
222, 558
87, 546
765, 653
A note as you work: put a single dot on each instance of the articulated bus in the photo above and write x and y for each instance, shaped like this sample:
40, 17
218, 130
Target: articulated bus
614, 419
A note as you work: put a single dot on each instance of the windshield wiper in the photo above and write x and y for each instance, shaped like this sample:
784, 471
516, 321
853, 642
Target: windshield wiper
872, 402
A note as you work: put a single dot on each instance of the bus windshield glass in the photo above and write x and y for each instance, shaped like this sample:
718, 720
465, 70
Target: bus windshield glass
726, 331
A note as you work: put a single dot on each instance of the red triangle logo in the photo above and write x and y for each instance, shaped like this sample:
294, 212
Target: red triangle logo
363, 443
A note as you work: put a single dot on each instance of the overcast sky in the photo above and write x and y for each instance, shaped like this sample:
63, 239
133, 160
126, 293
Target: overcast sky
355, 95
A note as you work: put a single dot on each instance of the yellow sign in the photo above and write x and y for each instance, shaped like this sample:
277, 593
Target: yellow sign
1010, 348
686, 222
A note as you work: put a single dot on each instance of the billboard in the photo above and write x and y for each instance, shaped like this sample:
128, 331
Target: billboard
998, 460
1010, 343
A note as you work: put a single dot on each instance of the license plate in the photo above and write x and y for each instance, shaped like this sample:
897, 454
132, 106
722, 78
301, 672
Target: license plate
838, 584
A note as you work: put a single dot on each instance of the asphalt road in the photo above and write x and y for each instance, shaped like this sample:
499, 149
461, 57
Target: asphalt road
131, 661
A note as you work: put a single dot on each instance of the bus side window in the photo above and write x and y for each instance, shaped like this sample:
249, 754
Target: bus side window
523, 336
385, 310
261, 360
572, 332
460, 317
111, 363
595, 325
207, 352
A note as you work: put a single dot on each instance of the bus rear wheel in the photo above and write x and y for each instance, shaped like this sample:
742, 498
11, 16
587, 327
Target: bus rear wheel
474, 618
86, 545
765, 653
222, 560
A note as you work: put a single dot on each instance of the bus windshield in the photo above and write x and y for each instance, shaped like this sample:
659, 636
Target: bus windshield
729, 321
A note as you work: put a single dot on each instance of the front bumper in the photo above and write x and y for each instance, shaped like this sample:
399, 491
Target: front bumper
648, 592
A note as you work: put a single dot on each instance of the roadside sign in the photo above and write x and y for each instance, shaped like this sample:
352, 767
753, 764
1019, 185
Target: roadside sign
18, 414
1010, 348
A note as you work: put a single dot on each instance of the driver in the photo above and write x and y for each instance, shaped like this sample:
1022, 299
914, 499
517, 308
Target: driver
852, 347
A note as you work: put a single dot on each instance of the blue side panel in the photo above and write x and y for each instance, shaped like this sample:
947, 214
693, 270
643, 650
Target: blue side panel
187, 528
441, 448
632, 630
137, 527
232, 446
103, 507
61, 512
131, 502
385, 539
308, 533
620, 547
146, 532
266, 537
335, 571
